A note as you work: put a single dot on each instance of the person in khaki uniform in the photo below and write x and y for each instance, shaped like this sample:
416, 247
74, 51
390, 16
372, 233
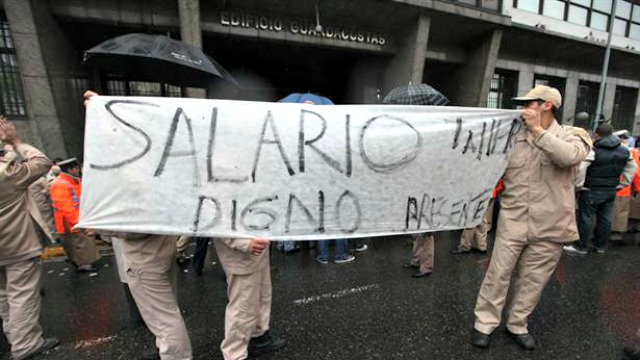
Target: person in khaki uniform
622, 205
39, 192
480, 232
20, 245
150, 271
537, 216
422, 255
248, 313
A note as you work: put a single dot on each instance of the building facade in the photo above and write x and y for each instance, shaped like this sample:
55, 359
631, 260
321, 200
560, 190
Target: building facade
477, 52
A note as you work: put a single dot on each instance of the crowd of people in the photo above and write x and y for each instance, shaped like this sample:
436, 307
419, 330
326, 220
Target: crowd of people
539, 217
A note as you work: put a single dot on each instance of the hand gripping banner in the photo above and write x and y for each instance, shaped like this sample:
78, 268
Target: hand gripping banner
289, 171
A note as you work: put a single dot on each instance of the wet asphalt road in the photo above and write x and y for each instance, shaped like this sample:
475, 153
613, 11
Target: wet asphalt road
367, 309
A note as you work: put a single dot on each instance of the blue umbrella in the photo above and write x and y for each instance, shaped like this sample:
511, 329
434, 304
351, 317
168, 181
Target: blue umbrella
307, 98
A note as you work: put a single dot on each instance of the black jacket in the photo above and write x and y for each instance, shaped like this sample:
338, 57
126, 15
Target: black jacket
611, 157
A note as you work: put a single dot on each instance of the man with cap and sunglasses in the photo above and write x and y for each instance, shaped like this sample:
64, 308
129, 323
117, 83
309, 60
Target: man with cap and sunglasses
537, 216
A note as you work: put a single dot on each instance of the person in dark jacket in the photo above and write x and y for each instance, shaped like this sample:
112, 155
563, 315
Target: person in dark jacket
608, 161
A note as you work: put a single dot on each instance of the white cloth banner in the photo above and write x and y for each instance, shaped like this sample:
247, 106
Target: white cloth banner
289, 171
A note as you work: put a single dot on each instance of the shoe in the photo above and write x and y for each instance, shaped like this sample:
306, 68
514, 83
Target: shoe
459, 252
480, 339
410, 266
615, 236
265, 343
600, 251
525, 341
48, 344
574, 250
150, 355
349, 258
421, 274
87, 269
478, 251
182, 259
321, 261
361, 248
632, 353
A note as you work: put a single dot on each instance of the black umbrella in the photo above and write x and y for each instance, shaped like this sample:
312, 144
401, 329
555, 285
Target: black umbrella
157, 58
420, 94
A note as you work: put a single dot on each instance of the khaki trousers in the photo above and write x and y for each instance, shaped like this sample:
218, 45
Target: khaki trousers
152, 286
20, 306
248, 311
479, 233
422, 256
80, 248
620, 216
536, 263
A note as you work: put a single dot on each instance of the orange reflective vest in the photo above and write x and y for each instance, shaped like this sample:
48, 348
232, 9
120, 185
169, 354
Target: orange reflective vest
626, 191
65, 196
498, 189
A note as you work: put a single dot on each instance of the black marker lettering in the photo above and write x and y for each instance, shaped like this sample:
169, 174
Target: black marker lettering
274, 130
108, 106
169, 145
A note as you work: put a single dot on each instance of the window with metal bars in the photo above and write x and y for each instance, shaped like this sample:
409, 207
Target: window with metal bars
587, 101
624, 108
12, 102
122, 87
503, 88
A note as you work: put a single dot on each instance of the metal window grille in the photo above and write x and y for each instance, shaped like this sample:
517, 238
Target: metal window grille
12, 101
587, 101
624, 107
502, 89
123, 87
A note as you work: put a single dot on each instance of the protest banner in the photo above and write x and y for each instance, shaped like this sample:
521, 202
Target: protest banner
289, 171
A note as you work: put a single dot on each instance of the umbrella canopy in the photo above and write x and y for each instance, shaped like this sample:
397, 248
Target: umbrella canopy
419, 94
307, 98
157, 58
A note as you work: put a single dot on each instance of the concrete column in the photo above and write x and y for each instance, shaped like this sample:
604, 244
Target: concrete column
570, 98
609, 99
408, 63
44, 124
525, 81
473, 80
191, 33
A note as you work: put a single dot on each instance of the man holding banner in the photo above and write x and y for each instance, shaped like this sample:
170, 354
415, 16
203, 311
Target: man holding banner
248, 313
537, 216
150, 268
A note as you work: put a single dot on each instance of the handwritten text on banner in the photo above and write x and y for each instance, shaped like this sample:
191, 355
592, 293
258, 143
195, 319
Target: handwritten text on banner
289, 171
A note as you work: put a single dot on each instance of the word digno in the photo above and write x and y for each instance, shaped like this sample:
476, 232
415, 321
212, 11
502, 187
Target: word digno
289, 171
299, 26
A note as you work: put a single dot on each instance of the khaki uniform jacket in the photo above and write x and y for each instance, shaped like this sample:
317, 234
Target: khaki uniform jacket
19, 214
538, 201
235, 257
145, 249
39, 192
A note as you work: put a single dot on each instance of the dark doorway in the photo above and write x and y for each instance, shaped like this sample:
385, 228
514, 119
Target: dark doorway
268, 70
439, 75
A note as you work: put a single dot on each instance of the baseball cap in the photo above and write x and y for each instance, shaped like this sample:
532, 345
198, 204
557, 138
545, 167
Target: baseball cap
541, 92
